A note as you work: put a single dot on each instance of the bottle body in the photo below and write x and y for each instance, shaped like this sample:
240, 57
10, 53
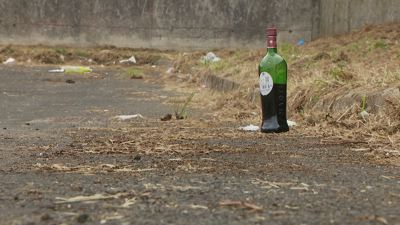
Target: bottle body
273, 90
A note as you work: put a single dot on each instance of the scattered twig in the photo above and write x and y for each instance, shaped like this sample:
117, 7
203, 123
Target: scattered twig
344, 113
338, 143
240, 203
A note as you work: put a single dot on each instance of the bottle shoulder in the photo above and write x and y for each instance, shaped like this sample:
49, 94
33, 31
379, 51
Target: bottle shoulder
273, 59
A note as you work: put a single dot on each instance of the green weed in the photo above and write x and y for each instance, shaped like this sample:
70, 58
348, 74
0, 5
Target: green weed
363, 105
133, 71
10, 51
362, 109
336, 73
304, 110
183, 113
380, 44
81, 53
335, 50
220, 65
217, 66
61, 51
237, 54
285, 47
355, 47
320, 83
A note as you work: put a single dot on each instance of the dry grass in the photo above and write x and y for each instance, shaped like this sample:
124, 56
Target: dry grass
328, 80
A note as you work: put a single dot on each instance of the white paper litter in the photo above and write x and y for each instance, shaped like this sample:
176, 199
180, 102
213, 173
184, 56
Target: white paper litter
10, 60
57, 71
154, 66
170, 70
185, 54
251, 127
364, 113
29, 61
90, 60
291, 123
210, 57
124, 117
131, 59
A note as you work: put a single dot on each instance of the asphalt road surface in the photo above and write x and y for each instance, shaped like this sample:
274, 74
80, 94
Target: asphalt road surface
66, 159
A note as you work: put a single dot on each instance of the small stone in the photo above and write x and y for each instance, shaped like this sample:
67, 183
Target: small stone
134, 76
45, 217
138, 157
82, 218
29, 223
166, 117
70, 81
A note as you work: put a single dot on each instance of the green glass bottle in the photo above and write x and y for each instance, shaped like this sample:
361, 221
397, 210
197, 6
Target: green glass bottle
273, 88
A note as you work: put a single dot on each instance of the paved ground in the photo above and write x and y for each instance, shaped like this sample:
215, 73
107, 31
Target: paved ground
64, 159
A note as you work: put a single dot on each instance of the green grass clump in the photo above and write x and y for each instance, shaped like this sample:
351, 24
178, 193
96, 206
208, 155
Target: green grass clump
133, 71
336, 73
81, 53
355, 47
61, 51
288, 52
237, 54
220, 65
380, 44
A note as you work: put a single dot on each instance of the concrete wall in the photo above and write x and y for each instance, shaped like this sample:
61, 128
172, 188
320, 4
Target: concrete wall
183, 24
343, 16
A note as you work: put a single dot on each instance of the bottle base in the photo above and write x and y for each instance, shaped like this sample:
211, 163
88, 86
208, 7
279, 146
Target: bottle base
279, 130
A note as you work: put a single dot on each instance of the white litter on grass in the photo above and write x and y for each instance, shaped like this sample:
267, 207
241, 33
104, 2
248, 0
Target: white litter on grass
251, 127
210, 57
154, 66
90, 60
291, 123
364, 113
29, 61
170, 70
124, 117
131, 59
57, 71
185, 54
10, 60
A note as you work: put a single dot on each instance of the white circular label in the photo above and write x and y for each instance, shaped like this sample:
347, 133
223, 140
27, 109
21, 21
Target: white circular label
266, 83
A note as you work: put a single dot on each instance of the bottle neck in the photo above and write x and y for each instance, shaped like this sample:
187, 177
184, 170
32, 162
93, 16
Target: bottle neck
272, 45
